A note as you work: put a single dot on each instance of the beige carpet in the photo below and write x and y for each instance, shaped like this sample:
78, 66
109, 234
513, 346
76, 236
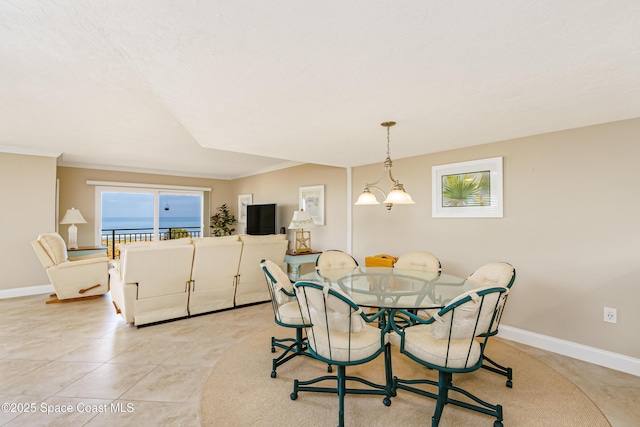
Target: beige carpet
240, 392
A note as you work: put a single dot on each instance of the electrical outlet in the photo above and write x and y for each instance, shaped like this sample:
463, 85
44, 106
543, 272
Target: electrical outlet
610, 315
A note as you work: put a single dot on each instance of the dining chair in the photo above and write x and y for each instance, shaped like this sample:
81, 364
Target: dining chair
339, 333
286, 314
451, 342
422, 261
335, 259
419, 260
495, 274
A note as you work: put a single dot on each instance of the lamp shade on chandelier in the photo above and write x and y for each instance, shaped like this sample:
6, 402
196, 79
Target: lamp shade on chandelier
396, 195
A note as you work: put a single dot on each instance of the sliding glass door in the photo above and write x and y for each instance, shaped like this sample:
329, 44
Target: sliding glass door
144, 214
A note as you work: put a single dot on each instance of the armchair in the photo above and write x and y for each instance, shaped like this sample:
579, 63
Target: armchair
71, 280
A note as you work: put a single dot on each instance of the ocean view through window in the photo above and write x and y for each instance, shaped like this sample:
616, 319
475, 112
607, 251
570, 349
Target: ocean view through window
140, 215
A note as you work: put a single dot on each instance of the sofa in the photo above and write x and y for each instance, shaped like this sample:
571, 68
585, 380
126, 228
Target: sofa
171, 279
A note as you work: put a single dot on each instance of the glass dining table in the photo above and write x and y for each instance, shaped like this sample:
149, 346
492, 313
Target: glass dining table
393, 288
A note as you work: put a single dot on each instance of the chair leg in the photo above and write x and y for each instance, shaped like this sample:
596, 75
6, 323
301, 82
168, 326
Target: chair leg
341, 388
341, 392
296, 348
499, 369
445, 384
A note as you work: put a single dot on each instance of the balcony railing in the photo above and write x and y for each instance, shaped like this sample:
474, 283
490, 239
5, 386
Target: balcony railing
113, 237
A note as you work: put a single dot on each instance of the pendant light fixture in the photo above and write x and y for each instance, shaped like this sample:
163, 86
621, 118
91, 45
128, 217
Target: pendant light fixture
397, 195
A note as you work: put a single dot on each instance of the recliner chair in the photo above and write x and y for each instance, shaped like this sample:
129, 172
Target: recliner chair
71, 280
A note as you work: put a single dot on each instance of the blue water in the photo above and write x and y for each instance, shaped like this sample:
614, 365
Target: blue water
137, 223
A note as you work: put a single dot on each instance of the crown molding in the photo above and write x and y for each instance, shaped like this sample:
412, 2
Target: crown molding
29, 151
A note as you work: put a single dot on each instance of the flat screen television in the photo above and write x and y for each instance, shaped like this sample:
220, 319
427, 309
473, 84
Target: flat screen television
261, 219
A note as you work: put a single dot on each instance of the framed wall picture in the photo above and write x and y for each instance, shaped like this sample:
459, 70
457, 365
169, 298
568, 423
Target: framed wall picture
468, 189
243, 201
312, 201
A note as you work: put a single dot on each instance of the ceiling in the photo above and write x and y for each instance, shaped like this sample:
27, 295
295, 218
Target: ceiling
226, 89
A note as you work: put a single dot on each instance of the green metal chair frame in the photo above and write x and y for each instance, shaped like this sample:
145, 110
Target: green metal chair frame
487, 301
320, 327
494, 366
292, 346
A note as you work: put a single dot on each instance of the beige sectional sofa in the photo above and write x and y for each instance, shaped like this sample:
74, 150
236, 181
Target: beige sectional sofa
157, 281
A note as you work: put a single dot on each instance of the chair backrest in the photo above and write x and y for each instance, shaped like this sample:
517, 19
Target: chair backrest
280, 287
494, 274
455, 327
50, 249
335, 259
337, 330
419, 260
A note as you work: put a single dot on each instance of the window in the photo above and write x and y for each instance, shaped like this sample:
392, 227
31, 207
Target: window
126, 213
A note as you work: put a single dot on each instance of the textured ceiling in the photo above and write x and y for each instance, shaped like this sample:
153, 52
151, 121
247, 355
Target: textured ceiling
228, 89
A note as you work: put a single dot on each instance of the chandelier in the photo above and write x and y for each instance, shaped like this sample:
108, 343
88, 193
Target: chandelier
397, 195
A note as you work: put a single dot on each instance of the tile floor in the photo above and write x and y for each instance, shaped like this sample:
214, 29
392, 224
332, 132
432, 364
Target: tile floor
84, 364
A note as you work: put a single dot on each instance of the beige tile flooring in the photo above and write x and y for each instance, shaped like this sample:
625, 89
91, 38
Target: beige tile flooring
81, 356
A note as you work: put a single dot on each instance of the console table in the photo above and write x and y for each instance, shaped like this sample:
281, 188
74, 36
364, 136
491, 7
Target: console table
297, 259
86, 250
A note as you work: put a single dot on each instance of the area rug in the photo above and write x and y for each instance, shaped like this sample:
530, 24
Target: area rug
240, 392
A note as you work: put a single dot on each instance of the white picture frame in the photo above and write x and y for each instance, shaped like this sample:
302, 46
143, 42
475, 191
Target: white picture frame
470, 189
243, 201
312, 201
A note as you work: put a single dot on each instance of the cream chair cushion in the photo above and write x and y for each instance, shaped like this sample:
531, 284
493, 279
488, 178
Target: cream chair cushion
54, 246
329, 260
420, 341
493, 274
281, 282
418, 260
330, 336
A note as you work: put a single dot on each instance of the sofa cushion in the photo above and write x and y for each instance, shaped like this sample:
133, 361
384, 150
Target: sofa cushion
248, 238
215, 241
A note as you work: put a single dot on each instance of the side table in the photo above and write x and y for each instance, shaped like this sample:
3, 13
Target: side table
87, 250
296, 259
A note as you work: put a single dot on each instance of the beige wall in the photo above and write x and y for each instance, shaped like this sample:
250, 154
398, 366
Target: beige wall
282, 187
570, 228
75, 192
27, 208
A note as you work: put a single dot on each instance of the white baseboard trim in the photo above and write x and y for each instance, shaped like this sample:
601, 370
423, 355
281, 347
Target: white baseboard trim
594, 355
26, 291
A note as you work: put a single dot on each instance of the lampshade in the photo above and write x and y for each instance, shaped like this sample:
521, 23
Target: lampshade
367, 198
399, 197
301, 219
73, 216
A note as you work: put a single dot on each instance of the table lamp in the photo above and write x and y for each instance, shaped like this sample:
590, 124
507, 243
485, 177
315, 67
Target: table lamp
73, 217
299, 222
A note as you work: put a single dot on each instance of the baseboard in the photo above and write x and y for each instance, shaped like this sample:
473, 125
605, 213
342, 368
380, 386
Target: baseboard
594, 355
26, 291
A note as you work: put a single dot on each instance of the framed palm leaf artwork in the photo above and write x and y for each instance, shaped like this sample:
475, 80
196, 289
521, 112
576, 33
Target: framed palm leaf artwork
470, 189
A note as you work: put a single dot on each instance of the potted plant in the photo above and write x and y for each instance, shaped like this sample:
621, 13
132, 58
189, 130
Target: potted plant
222, 221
